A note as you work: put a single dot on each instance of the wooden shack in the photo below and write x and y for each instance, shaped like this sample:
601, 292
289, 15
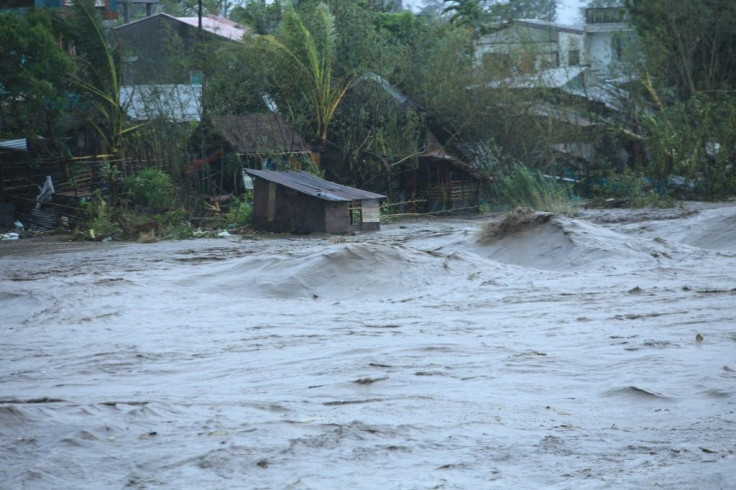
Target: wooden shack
299, 202
265, 138
444, 182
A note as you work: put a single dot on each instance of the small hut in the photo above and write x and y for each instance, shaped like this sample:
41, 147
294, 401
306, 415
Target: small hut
446, 182
228, 143
299, 202
263, 137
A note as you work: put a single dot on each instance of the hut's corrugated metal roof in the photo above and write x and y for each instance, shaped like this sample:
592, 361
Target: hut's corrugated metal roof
312, 185
434, 149
260, 134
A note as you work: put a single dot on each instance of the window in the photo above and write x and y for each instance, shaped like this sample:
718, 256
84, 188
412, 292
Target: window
573, 57
549, 60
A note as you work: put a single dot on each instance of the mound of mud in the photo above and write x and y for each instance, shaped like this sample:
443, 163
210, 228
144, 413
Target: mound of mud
340, 270
517, 221
550, 242
361, 270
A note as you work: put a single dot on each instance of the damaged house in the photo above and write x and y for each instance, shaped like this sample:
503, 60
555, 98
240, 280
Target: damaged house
571, 82
600, 47
430, 176
229, 143
264, 140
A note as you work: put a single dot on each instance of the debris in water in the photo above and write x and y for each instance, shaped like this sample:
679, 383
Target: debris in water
369, 381
517, 221
149, 237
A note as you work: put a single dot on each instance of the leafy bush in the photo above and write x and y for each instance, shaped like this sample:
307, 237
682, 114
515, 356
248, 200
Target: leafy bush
241, 213
152, 189
630, 189
99, 220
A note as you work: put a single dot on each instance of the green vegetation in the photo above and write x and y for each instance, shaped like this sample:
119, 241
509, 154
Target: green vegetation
630, 189
151, 189
34, 76
240, 215
100, 220
370, 89
689, 114
98, 76
305, 57
522, 187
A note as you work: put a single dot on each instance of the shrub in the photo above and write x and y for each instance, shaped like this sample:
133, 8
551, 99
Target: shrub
99, 221
151, 189
241, 214
630, 189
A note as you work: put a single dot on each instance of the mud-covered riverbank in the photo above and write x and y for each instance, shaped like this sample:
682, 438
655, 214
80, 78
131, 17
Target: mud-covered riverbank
590, 352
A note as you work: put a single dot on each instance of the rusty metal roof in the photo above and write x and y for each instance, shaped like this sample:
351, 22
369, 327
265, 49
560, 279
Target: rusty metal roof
260, 134
312, 185
434, 149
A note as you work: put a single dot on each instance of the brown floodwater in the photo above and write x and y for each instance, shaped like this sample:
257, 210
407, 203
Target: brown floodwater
596, 351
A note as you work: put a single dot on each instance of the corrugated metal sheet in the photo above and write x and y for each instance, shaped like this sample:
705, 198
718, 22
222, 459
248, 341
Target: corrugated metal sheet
549, 78
608, 94
433, 149
553, 26
312, 185
213, 24
179, 103
18, 145
43, 219
218, 25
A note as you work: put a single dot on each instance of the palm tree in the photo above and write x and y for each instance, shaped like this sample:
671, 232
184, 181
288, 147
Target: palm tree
308, 58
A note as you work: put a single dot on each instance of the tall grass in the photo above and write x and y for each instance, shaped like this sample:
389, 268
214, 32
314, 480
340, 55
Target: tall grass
523, 187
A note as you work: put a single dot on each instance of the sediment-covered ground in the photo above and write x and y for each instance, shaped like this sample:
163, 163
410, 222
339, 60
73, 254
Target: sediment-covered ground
526, 351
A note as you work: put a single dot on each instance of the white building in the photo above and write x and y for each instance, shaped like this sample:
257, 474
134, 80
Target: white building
528, 46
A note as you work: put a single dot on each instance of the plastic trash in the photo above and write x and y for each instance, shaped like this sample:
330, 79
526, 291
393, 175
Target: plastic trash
9, 236
18, 225
45, 192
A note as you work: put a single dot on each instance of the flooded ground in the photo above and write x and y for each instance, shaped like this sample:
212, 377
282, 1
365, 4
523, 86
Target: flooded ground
590, 352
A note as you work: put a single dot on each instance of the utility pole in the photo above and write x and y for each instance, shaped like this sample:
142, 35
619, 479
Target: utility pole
200, 17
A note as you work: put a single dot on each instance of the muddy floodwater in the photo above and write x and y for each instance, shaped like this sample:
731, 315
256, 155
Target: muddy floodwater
595, 351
